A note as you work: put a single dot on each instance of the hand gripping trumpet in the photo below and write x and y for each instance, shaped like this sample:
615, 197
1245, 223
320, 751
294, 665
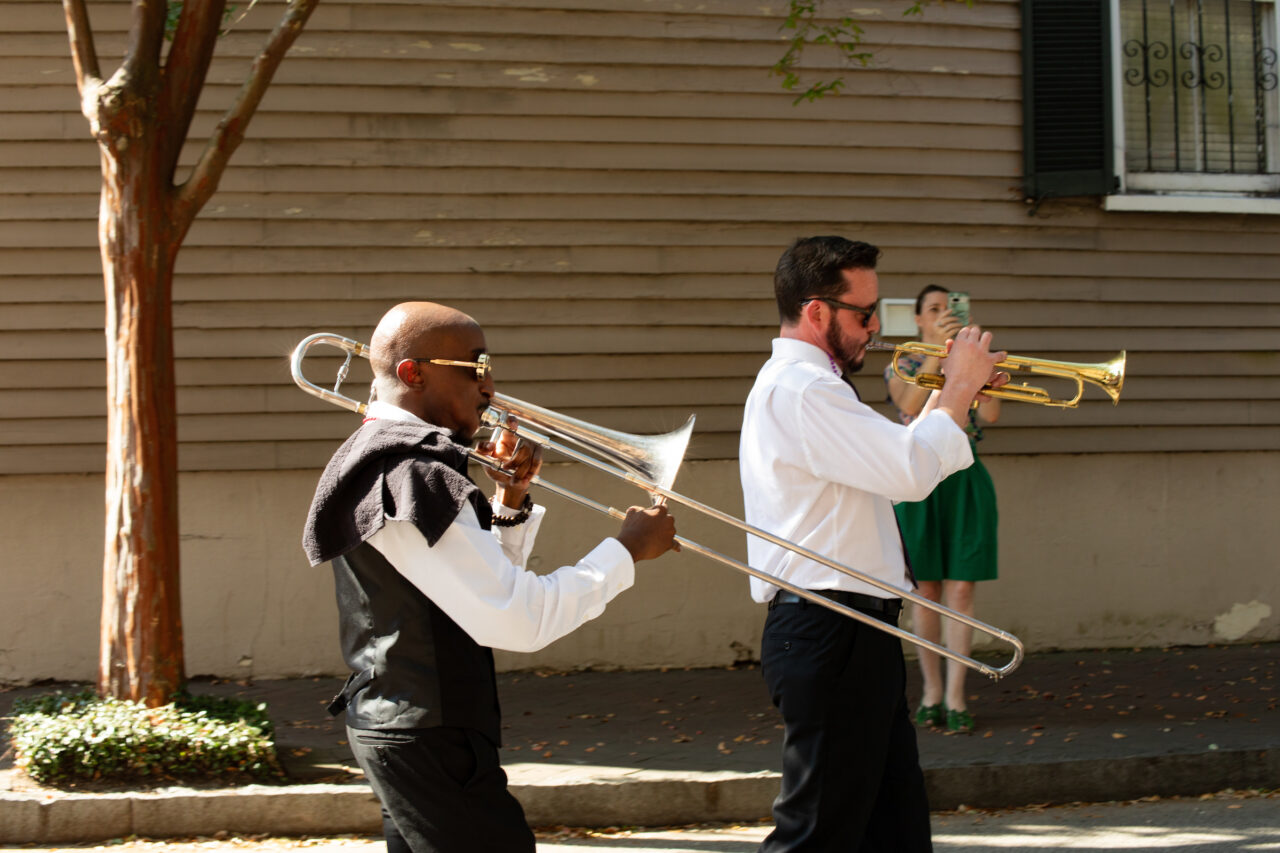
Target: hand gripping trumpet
650, 462
1107, 375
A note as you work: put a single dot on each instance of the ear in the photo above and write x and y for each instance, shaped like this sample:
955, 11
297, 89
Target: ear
408, 373
813, 313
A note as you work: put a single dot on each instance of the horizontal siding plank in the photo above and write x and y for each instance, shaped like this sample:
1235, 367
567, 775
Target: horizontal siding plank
667, 311
694, 392
402, 219
470, 34
224, 456
1092, 414
1152, 375
1230, 439
198, 343
400, 154
389, 288
415, 111
245, 184
1252, 399
313, 454
496, 248
551, 72
287, 398
676, 130
29, 16
630, 338
1031, 291
533, 219
51, 78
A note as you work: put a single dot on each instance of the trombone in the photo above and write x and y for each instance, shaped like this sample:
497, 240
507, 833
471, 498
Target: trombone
1107, 375
650, 463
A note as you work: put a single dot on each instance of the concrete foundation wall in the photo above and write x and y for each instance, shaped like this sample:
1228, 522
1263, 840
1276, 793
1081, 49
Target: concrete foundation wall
1102, 550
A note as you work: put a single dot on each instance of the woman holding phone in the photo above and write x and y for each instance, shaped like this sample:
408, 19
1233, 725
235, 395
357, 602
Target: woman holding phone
950, 536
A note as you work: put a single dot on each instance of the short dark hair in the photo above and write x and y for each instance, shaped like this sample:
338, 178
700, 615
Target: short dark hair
813, 266
928, 288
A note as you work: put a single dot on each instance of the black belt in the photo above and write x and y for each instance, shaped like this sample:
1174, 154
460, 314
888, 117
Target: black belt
856, 600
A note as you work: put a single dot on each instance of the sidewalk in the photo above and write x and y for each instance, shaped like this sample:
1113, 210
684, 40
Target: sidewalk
681, 746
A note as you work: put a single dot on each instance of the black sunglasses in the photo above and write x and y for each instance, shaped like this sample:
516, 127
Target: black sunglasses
866, 313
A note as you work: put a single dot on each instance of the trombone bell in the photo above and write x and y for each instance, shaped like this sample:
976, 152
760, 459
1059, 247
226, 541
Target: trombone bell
653, 458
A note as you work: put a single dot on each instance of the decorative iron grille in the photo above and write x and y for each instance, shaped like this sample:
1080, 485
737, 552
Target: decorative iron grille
1199, 85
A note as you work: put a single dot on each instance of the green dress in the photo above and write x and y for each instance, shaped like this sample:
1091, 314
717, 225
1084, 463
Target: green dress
951, 535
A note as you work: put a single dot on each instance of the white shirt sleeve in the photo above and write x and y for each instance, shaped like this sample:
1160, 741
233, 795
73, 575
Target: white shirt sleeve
476, 576
871, 452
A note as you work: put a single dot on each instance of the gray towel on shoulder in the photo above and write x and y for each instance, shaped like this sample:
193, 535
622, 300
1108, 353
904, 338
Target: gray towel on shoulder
389, 469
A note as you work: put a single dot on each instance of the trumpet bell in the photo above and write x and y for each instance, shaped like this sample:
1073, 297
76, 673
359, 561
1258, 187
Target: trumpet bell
1111, 379
653, 458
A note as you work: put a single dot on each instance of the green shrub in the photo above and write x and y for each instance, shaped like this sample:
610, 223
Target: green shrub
64, 737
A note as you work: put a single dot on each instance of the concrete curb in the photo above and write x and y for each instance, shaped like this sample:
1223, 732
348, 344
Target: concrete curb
292, 810
649, 799
582, 797
1102, 779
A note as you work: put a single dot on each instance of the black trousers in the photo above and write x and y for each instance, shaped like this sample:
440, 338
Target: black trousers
442, 790
851, 777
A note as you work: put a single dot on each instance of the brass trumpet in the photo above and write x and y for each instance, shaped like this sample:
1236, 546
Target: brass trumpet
1107, 375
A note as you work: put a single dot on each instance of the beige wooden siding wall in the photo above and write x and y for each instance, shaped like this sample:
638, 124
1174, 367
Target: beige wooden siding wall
605, 185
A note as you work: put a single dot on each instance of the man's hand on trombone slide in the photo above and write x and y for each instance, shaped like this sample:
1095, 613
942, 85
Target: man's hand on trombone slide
648, 532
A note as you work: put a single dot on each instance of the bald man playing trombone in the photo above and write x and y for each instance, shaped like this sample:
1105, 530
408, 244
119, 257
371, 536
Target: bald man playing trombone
430, 577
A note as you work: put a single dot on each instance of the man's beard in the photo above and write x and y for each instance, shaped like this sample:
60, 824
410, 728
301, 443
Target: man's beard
842, 350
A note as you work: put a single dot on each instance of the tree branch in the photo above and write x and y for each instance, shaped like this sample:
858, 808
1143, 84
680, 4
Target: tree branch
231, 129
83, 52
185, 70
146, 36
844, 34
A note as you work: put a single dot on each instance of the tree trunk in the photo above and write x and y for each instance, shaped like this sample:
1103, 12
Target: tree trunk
141, 656
140, 118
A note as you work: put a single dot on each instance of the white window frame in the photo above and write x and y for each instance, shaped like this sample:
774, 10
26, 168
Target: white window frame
1190, 192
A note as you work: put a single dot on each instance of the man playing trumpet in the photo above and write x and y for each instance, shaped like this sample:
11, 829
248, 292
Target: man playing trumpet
821, 468
429, 578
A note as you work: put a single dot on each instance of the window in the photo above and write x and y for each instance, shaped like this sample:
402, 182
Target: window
1198, 86
1181, 95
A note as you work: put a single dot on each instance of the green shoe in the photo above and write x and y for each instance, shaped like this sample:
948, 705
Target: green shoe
959, 721
930, 715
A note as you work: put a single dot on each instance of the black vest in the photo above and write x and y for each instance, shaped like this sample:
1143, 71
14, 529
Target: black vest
412, 666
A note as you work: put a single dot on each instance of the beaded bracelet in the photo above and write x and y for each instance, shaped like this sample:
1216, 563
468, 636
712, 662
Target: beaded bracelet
521, 517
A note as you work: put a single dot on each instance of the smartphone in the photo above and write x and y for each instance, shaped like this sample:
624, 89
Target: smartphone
958, 303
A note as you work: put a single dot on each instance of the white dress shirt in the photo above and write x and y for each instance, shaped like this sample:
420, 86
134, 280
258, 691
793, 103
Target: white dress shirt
822, 469
478, 578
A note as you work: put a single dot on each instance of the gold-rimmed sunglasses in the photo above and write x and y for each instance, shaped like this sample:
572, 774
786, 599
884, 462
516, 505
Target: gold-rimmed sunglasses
481, 365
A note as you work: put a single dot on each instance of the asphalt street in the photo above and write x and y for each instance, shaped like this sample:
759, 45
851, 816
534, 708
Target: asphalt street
1227, 822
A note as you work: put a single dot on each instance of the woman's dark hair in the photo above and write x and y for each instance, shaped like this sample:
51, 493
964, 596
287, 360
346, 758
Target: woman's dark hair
928, 288
813, 266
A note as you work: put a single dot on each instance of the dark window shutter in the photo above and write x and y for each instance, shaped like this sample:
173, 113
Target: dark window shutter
1067, 125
